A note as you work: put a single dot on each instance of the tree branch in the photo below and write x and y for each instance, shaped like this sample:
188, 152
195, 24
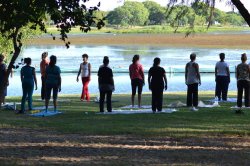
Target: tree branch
242, 9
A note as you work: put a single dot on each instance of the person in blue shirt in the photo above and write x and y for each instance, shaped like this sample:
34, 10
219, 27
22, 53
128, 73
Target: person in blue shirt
52, 82
28, 78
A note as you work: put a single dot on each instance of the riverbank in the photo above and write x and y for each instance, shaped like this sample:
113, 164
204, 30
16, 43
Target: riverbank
79, 136
237, 41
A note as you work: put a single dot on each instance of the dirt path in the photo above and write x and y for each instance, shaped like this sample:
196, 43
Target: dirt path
39, 147
240, 41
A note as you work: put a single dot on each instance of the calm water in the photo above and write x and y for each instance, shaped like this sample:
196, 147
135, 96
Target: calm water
173, 59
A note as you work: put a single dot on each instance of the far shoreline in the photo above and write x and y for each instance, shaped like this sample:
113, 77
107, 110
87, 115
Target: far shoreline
234, 41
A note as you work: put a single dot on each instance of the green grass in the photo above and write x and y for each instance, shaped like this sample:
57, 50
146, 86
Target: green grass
154, 29
79, 117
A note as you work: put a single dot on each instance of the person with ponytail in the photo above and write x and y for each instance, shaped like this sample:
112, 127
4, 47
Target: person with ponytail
157, 81
28, 78
52, 82
136, 74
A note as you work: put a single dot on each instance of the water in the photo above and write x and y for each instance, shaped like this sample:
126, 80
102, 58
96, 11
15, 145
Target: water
173, 59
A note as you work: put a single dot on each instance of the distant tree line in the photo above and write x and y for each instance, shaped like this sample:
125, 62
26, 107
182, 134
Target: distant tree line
151, 13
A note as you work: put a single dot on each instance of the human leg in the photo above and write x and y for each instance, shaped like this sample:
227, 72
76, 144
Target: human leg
133, 86
240, 93
55, 94
195, 94
109, 103
140, 86
154, 98
225, 88
101, 101
43, 88
159, 100
189, 96
48, 95
218, 87
30, 93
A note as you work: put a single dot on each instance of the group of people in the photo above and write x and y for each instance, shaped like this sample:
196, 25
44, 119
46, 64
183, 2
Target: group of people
157, 81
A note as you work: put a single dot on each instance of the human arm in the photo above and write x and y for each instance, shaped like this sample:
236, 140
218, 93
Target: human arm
165, 80
149, 80
228, 73
35, 80
198, 73
89, 69
186, 71
79, 72
142, 75
215, 71
21, 75
59, 80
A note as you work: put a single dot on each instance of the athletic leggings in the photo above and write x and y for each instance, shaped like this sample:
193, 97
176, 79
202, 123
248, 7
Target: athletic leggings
85, 89
28, 87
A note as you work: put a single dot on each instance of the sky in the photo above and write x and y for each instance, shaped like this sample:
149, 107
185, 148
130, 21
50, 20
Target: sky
108, 5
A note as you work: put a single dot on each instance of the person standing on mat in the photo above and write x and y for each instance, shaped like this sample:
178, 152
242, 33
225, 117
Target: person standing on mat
106, 84
52, 82
137, 79
222, 78
157, 81
43, 64
85, 71
28, 78
243, 81
192, 79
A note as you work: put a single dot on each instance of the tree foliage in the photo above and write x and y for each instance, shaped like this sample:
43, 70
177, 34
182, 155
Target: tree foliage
16, 15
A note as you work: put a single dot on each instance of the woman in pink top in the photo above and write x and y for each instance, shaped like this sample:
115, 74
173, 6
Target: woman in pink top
137, 79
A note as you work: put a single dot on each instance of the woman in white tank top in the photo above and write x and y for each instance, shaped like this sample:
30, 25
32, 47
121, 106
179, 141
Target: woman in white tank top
85, 71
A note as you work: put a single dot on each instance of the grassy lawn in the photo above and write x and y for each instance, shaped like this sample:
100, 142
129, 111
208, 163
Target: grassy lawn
79, 136
80, 117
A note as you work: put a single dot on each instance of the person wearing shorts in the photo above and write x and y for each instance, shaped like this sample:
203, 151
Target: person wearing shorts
136, 74
52, 82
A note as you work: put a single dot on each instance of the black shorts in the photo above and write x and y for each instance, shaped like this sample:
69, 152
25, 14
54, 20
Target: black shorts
136, 83
49, 88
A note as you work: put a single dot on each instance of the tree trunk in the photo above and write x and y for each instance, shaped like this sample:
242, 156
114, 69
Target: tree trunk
17, 50
243, 11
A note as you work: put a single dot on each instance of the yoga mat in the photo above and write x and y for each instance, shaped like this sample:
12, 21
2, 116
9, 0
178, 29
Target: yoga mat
142, 111
45, 114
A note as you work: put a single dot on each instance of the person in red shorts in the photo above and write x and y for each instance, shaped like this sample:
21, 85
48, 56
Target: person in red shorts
137, 79
85, 71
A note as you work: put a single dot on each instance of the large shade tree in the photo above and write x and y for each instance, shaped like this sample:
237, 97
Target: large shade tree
211, 4
17, 15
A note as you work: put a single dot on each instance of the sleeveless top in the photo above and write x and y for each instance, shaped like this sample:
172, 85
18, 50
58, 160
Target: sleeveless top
191, 73
243, 72
85, 70
222, 68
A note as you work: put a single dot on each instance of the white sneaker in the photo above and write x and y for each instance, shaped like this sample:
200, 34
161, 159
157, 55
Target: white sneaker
193, 109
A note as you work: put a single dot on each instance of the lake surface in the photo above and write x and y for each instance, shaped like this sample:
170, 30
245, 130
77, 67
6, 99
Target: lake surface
173, 60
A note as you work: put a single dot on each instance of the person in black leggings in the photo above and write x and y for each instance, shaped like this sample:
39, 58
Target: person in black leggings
157, 81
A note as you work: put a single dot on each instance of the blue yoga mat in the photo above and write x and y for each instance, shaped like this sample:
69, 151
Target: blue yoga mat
45, 114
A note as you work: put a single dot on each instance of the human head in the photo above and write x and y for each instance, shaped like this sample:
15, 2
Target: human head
106, 60
244, 57
136, 58
27, 61
192, 57
157, 62
1, 57
44, 55
52, 60
85, 57
222, 56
